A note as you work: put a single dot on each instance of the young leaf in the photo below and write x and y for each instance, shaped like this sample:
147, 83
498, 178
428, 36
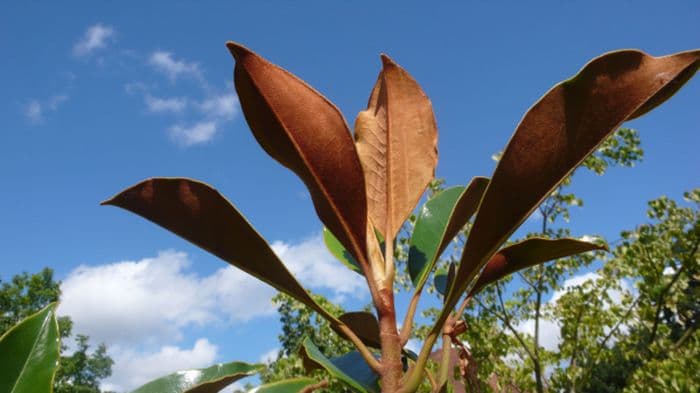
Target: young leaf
338, 251
306, 133
206, 380
529, 252
396, 140
29, 354
439, 221
350, 368
201, 215
294, 385
557, 134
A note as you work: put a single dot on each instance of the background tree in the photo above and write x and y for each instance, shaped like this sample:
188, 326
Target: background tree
25, 294
647, 340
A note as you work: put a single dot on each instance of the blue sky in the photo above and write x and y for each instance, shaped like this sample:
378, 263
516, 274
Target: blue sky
99, 95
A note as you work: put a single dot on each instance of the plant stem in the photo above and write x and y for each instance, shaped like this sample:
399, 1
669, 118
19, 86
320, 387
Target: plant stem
391, 366
407, 324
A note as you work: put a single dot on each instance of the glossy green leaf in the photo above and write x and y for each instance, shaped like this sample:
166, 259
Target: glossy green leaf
527, 253
350, 368
439, 221
198, 213
338, 250
557, 134
29, 354
443, 279
206, 380
294, 385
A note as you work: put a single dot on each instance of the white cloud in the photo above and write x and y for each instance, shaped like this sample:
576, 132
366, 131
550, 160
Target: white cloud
224, 107
313, 264
165, 63
36, 110
270, 356
95, 37
132, 368
550, 335
200, 132
141, 309
550, 331
158, 105
153, 299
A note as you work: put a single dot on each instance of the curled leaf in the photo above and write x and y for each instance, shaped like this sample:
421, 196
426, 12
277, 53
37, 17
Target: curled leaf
558, 133
527, 253
306, 133
396, 141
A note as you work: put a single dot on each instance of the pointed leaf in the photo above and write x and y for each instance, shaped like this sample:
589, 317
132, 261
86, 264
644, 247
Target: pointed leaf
439, 221
527, 253
558, 133
206, 380
337, 250
294, 385
201, 215
29, 354
397, 144
350, 368
306, 133
365, 325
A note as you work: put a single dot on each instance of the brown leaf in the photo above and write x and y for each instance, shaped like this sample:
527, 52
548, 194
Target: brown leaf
364, 325
201, 215
527, 253
306, 133
560, 131
396, 140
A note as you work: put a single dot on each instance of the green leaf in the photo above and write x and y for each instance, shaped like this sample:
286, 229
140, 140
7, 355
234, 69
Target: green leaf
439, 221
198, 213
443, 279
294, 385
558, 132
205, 380
350, 368
529, 252
339, 251
29, 354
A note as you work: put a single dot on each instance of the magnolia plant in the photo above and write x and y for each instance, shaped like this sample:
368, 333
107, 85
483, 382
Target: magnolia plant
364, 186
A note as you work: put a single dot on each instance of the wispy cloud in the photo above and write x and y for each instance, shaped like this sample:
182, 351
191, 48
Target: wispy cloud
222, 107
95, 37
159, 105
197, 133
165, 63
36, 110
214, 111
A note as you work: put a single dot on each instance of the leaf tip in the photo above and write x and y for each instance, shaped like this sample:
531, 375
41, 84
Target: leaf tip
237, 50
387, 61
